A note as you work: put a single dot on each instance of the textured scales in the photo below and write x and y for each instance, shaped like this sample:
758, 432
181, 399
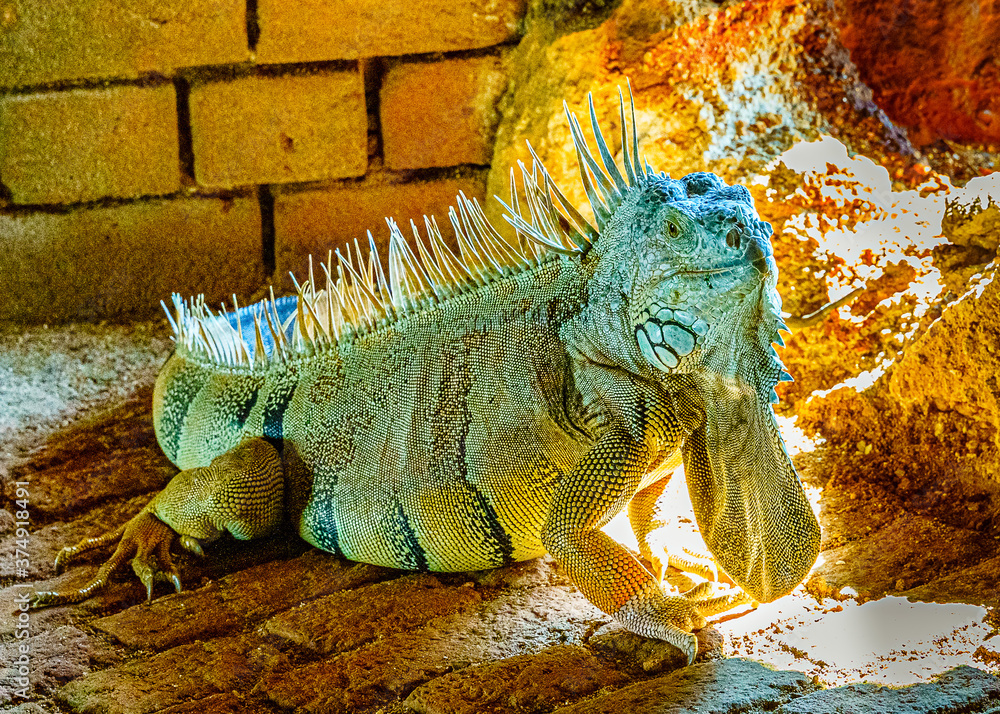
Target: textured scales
471, 410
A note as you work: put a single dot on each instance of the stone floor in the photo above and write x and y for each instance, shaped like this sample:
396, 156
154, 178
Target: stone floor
274, 625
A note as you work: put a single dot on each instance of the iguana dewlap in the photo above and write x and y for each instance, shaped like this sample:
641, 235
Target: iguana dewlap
483, 408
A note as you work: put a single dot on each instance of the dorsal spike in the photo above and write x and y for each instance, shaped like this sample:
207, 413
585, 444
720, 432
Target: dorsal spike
376, 268
310, 326
609, 163
368, 274
174, 326
414, 278
588, 167
544, 215
533, 197
601, 214
456, 268
335, 315
208, 335
425, 284
481, 248
343, 307
626, 154
259, 352
279, 335
479, 215
351, 297
348, 289
361, 283
509, 254
348, 297
401, 275
439, 281
582, 233
636, 160
224, 335
396, 289
244, 352
475, 263
576, 220
530, 232
601, 181
522, 239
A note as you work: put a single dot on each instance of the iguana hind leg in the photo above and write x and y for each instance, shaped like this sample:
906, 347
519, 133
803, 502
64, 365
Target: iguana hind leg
241, 491
649, 526
652, 530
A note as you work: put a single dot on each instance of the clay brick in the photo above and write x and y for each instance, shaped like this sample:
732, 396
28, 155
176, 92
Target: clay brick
317, 220
344, 621
312, 30
184, 673
535, 682
441, 113
66, 147
55, 40
279, 129
121, 261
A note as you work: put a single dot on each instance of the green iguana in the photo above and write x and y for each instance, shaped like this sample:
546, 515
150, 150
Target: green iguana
483, 408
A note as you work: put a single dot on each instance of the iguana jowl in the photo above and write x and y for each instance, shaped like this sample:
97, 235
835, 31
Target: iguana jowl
482, 408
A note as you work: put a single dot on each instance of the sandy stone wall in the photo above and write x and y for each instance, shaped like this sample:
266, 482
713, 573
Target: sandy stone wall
150, 146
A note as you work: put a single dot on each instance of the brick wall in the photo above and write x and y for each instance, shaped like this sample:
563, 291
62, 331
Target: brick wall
151, 146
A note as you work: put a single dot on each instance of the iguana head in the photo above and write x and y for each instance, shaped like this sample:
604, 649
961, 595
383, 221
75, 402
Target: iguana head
702, 291
683, 293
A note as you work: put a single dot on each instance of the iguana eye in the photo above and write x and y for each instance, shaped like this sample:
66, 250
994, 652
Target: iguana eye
672, 229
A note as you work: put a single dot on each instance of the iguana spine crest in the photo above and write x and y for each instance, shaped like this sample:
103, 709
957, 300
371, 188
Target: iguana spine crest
356, 297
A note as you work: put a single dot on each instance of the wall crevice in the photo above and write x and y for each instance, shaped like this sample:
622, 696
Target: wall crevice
267, 233
253, 25
185, 144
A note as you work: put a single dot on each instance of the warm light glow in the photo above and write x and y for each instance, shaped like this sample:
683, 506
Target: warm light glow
895, 226
888, 641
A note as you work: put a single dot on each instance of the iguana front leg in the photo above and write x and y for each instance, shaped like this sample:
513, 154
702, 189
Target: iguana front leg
601, 485
241, 491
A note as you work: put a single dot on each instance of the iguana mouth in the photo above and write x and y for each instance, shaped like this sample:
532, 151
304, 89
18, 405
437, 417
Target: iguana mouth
712, 271
756, 254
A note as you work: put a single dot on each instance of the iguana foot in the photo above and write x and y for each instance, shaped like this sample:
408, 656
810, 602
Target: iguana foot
709, 603
699, 564
673, 617
657, 560
145, 539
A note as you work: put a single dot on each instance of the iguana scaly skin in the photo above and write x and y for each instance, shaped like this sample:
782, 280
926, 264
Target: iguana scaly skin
483, 408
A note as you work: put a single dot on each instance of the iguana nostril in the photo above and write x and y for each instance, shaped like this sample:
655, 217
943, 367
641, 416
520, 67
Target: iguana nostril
733, 238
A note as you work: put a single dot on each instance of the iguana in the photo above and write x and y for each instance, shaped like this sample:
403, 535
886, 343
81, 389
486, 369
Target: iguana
485, 407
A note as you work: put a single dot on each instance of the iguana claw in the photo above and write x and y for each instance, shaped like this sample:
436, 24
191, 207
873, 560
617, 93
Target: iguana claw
191, 545
145, 540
